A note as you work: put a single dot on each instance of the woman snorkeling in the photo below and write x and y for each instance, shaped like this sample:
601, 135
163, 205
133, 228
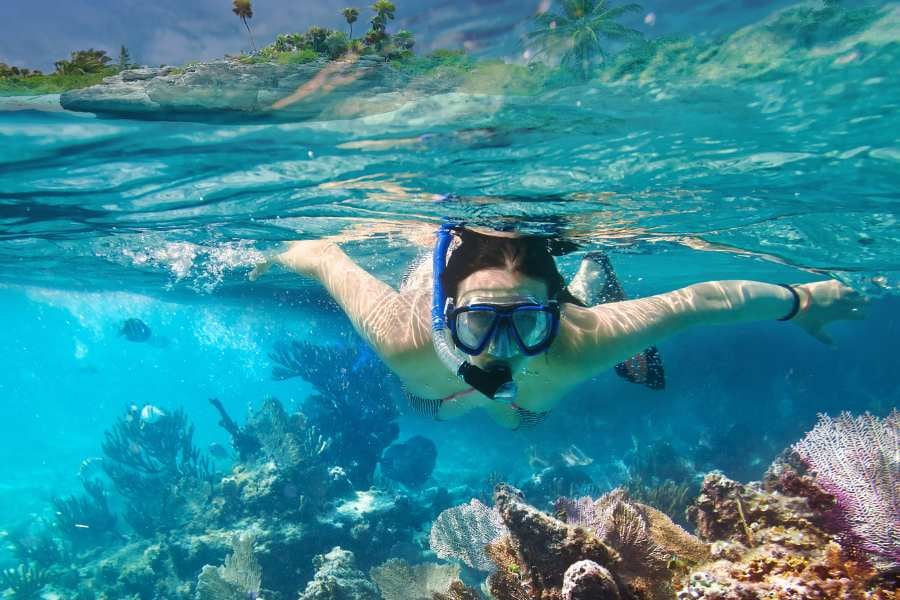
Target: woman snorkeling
489, 322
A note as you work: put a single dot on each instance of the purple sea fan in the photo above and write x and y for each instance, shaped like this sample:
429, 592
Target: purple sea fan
857, 459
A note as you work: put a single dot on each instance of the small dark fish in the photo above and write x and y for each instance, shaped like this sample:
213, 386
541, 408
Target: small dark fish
218, 450
135, 330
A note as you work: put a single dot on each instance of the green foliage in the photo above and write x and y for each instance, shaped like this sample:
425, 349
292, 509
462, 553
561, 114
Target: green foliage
315, 37
124, 59
287, 42
404, 40
576, 32
377, 36
84, 62
36, 84
8, 71
296, 58
337, 43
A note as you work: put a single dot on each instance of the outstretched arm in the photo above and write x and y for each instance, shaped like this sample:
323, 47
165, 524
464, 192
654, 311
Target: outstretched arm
379, 314
600, 336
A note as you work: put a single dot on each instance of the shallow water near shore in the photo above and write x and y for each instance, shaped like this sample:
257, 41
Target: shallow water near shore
782, 166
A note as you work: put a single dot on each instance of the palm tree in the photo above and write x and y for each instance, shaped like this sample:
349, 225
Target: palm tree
384, 11
404, 40
244, 10
350, 14
578, 30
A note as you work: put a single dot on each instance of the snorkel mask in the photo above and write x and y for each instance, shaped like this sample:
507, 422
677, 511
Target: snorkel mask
505, 329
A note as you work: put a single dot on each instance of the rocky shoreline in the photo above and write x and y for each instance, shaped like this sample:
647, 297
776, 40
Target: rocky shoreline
227, 89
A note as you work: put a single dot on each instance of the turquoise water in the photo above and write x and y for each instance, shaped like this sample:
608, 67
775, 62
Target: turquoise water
780, 164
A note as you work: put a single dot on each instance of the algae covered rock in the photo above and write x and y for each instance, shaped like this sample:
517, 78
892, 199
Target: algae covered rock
586, 580
221, 89
337, 578
410, 462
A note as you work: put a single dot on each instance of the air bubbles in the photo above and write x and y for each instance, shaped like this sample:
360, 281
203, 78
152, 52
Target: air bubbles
650, 19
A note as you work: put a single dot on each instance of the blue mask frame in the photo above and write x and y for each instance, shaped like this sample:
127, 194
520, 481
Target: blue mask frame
504, 321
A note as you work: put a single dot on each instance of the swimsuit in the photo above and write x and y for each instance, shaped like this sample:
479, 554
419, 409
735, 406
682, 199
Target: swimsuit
430, 407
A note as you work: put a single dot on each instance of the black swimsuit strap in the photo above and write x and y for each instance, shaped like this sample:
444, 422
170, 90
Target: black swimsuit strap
430, 407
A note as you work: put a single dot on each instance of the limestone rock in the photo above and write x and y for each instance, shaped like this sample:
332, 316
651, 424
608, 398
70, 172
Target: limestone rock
586, 580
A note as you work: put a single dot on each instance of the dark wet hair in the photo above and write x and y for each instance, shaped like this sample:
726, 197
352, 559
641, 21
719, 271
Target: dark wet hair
531, 256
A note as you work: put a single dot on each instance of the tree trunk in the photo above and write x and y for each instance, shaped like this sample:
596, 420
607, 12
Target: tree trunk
250, 33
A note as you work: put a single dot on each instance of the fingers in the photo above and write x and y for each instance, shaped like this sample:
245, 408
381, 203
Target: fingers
259, 270
823, 337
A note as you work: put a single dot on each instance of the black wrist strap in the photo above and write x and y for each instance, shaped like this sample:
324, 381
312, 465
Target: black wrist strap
794, 309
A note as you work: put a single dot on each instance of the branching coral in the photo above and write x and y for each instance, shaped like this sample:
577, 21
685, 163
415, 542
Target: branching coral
24, 582
287, 471
87, 518
648, 542
155, 466
360, 419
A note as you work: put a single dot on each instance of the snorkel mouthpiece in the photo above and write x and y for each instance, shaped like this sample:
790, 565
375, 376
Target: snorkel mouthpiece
496, 381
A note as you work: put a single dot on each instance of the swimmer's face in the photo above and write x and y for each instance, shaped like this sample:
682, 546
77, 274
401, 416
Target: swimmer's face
499, 283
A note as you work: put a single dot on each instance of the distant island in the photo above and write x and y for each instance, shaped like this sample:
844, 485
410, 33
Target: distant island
573, 42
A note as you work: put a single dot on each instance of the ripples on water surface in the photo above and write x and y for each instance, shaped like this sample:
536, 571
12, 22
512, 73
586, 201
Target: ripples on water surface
797, 164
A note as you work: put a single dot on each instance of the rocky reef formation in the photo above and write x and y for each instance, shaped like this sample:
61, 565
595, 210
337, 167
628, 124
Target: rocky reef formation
229, 88
768, 541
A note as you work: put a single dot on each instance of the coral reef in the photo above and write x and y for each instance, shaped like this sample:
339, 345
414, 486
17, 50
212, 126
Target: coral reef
361, 419
586, 580
239, 578
24, 582
149, 454
857, 461
287, 472
337, 578
464, 531
766, 544
398, 580
85, 519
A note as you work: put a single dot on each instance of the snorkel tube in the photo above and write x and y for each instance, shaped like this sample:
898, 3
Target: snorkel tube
495, 382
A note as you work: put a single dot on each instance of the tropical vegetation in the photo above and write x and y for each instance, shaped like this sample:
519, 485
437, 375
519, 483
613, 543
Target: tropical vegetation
577, 32
323, 43
244, 10
83, 68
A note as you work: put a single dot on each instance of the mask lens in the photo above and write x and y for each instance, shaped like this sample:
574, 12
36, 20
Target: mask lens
473, 326
533, 326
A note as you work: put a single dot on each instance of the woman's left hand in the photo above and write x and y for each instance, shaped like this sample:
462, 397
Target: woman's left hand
823, 302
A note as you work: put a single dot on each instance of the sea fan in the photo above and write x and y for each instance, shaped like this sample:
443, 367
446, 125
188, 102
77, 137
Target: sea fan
462, 532
856, 460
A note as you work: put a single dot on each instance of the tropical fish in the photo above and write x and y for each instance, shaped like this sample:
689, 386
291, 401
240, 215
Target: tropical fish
151, 414
135, 330
217, 450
